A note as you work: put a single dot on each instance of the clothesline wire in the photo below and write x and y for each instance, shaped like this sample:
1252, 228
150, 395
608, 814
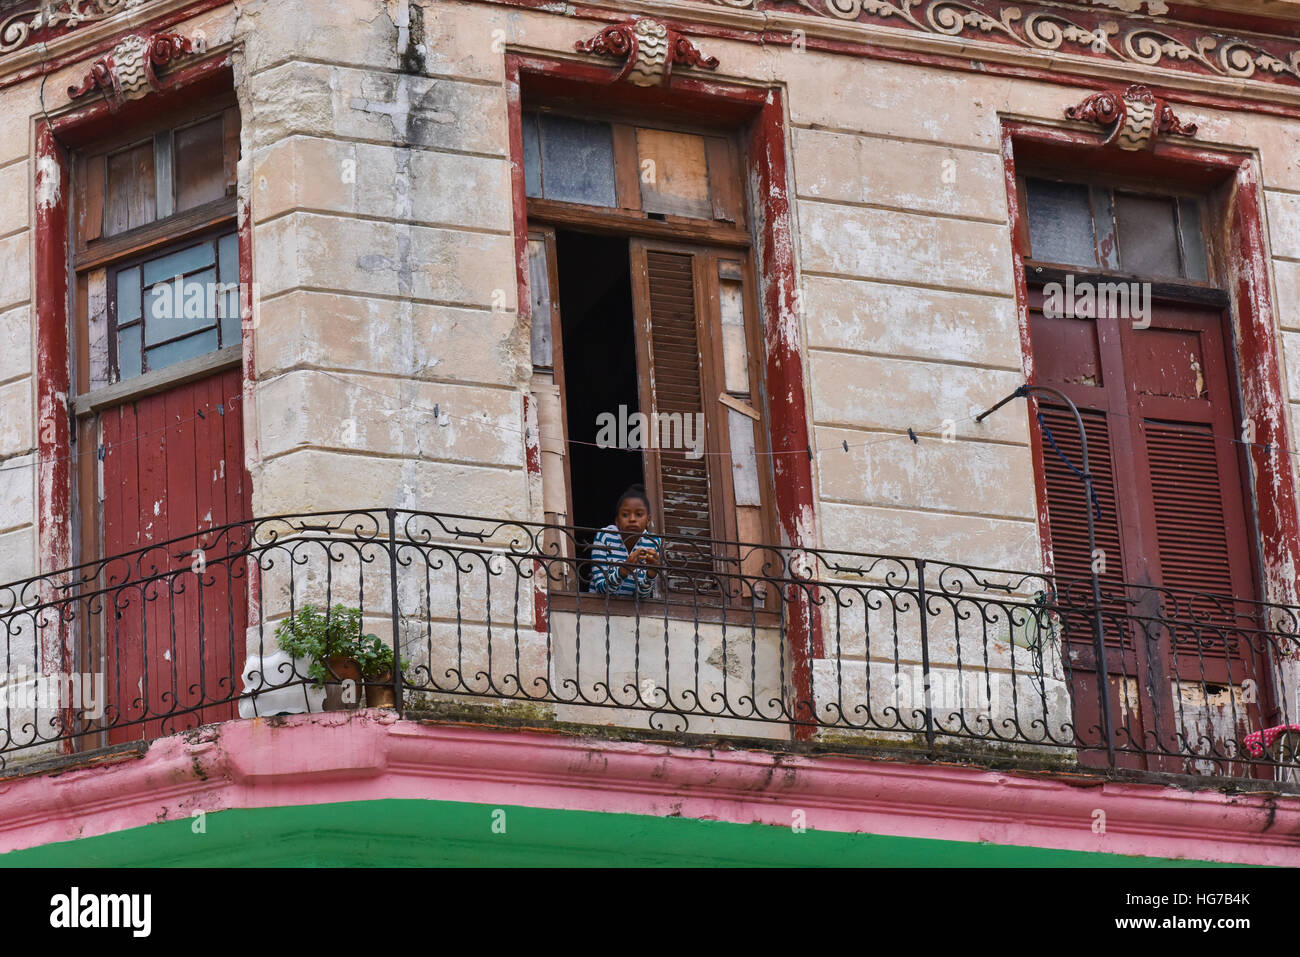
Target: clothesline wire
439, 413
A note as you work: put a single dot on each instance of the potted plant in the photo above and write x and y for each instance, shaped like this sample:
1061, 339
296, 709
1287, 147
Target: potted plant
376, 661
335, 647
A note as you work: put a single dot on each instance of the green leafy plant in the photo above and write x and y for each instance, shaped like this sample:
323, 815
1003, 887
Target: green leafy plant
375, 657
319, 636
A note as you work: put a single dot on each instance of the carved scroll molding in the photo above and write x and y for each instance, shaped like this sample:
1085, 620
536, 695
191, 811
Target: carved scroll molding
1107, 30
1138, 117
39, 20
649, 49
127, 72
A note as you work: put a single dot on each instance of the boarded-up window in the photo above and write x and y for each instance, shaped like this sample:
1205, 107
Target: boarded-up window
171, 171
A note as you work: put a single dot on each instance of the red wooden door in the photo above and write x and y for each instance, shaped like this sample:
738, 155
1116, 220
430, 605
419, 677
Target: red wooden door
173, 466
1157, 406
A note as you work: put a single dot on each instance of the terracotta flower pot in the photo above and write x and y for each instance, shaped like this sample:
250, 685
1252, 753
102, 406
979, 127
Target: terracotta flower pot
379, 691
342, 669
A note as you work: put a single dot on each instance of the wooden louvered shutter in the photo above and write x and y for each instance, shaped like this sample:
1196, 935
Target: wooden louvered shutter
1189, 470
1068, 520
676, 378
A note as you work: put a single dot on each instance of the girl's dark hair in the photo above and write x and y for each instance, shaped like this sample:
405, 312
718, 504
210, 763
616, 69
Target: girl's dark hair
634, 491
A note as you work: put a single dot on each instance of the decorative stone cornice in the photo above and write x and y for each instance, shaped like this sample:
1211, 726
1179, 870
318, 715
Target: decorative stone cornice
127, 72
39, 20
1138, 117
649, 48
1114, 32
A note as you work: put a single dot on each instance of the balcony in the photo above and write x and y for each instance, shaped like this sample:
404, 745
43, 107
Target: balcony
491, 618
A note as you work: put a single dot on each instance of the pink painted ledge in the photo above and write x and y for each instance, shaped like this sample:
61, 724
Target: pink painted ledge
369, 755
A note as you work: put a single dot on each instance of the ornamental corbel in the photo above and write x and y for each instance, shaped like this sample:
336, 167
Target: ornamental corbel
127, 72
1138, 117
649, 49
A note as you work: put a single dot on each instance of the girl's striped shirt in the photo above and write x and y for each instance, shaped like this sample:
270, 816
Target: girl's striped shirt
608, 553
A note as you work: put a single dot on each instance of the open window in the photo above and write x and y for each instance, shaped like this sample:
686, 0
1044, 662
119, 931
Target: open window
645, 337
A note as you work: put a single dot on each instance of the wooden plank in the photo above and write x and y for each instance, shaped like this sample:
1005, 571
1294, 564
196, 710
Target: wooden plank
674, 173
724, 180
90, 195
164, 170
194, 221
623, 223
627, 172
130, 195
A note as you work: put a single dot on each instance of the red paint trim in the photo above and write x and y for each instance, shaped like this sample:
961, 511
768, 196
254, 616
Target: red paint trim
1254, 325
53, 370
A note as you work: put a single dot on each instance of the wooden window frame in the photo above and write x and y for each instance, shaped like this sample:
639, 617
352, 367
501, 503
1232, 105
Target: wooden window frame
1237, 259
1170, 288
707, 242
91, 251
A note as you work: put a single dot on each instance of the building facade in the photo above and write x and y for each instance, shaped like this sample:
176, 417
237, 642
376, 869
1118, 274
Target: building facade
952, 342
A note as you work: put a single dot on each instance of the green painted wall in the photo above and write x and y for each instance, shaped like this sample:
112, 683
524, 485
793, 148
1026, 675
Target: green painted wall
396, 833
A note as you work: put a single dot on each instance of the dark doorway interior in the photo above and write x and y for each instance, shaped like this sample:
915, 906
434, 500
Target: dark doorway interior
600, 370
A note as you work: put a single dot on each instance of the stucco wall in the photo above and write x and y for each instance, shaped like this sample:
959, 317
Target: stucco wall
376, 176
382, 236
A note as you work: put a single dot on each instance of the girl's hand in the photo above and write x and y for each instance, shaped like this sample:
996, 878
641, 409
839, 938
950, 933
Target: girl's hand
650, 559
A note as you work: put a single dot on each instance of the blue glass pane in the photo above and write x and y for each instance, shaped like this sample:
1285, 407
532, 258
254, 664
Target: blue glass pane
577, 161
173, 352
178, 264
532, 157
128, 295
178, 309
128, 352
228, 258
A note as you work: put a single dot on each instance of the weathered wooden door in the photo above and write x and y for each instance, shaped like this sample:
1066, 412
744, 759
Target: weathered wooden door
174, 642
1172, 538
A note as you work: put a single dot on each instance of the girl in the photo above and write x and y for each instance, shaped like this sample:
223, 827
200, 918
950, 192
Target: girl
624, 558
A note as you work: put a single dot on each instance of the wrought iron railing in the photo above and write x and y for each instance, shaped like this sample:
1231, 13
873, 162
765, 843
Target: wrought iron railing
734, 639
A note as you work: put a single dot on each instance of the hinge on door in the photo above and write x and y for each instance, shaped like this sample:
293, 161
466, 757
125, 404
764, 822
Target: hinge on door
100, 453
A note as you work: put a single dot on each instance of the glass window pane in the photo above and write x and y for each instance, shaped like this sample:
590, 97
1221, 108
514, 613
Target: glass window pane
128, 352
577, 161
539, 282
228, 258
532, 157
181, 311
1060, 223
230, 319
200, 164
735, 351
167, 268
228, 296
128, 295
745, 462
1148, 244
162, 356
1189, 220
